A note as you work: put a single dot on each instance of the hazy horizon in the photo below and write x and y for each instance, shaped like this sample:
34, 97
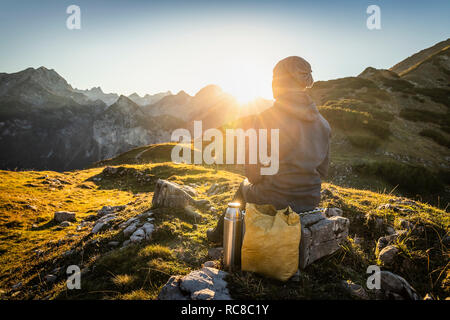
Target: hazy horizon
151, 47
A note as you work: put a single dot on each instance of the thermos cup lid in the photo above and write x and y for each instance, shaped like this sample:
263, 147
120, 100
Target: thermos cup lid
234, 205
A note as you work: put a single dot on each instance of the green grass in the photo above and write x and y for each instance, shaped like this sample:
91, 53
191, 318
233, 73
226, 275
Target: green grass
436, 137
179, 245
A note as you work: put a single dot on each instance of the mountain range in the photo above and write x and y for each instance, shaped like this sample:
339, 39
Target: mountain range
47, 124
390, 126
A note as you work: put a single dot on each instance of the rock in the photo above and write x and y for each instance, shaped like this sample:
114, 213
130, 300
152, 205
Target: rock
204, 294
148, 229
68, 253
209, 264
405, 224
390, 230
296, 277
126, 243
204, 284
320, 236
189, 190
109, 171
65, 224
215, 253
138, 235
60, 216
16, 286
333, 212
388, 254
30, 207
130, 229
388, 206
97, 227
355, 290
110, 209
203, 203
103, 222
171, 290
50, 278
113, 243
394, 285
385, 241
171, 195
212, 190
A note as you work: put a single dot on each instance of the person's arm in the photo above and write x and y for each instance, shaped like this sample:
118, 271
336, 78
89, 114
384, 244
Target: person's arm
323, 167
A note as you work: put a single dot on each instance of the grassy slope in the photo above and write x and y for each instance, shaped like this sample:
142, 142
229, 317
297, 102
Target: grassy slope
179, 244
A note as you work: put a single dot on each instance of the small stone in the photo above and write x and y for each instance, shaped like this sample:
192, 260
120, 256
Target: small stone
60, 216
210, 264
390, 230
296, 276
355, 290
129, 230
204, 294
138, 235
113, 243
388, 254
126, 243
98, 226
333, 212
50, 278
17, 286
215, 253
65, 224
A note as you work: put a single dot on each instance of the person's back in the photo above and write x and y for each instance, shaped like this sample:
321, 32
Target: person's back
304, 142
303, 155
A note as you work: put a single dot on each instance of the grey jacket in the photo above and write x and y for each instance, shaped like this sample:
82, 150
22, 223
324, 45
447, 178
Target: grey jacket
304, 146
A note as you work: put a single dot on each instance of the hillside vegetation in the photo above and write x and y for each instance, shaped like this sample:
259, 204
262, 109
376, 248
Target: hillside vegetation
33, 246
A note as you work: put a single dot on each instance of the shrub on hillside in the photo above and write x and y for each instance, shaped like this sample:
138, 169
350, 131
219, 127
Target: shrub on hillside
408, 177
398, 85
435, 136
354, 104
424, 116
364, 142
348, 119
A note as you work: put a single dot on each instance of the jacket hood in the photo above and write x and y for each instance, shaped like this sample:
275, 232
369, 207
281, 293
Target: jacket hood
299, 104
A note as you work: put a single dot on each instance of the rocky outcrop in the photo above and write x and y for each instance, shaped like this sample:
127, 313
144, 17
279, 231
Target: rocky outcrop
172, 195
321, 235
204, 284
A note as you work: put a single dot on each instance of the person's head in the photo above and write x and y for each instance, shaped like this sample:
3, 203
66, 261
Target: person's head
291, 74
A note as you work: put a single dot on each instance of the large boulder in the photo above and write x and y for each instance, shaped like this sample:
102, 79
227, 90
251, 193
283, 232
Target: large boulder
204, 284
395, 286
171, 195
321, 235
60, 216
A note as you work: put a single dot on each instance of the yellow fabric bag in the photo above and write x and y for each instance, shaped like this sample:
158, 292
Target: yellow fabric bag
271, 241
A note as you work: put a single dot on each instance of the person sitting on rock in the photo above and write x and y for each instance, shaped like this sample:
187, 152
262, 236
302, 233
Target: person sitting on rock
304, 139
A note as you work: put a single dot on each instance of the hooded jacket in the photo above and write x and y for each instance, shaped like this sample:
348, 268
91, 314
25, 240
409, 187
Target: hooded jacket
304, 146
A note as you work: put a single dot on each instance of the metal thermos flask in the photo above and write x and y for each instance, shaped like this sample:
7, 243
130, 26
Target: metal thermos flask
233, 234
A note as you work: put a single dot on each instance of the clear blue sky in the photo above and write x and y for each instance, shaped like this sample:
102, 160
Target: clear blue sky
152, 46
